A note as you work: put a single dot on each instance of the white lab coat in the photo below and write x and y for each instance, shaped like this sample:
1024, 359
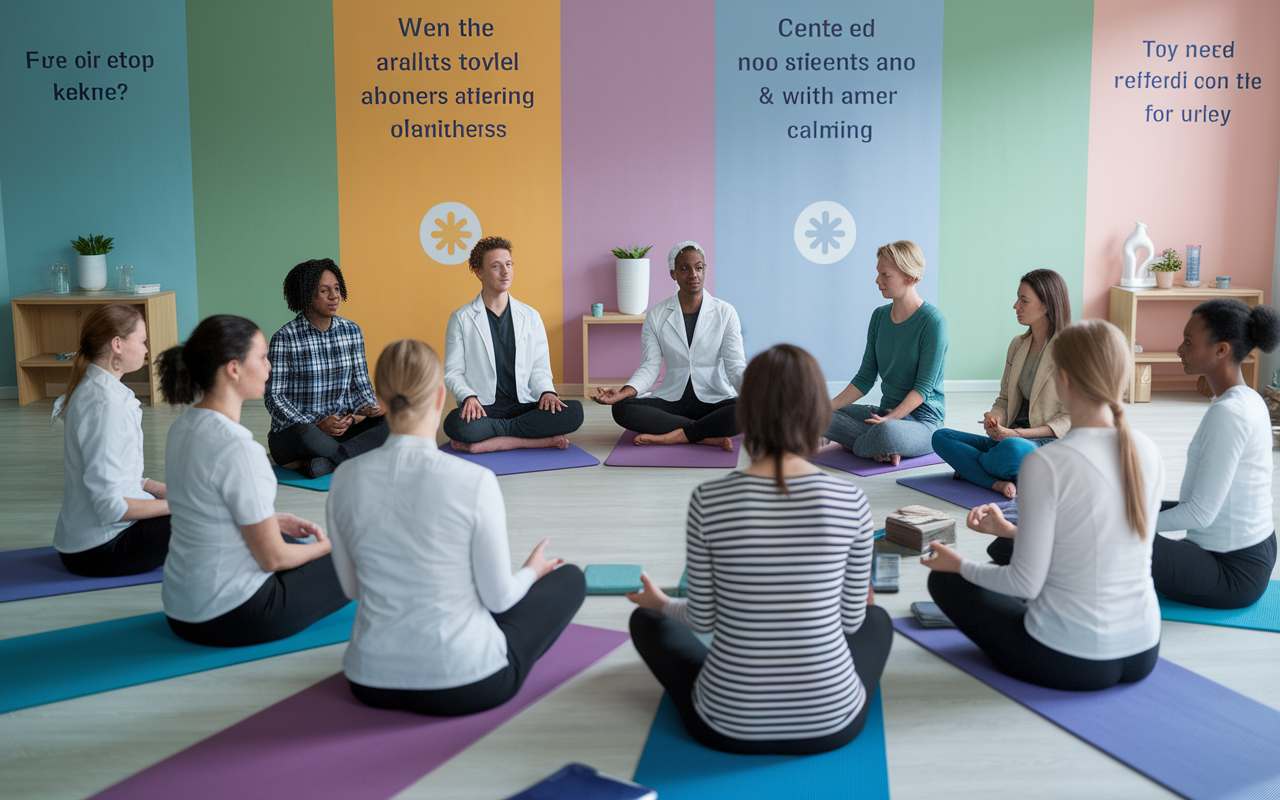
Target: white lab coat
715, 360
469, 368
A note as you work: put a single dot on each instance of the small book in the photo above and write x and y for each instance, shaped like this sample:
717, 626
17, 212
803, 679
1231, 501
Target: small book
884, 572
580, 782
146, 288
915, 527
930, 616
613, 578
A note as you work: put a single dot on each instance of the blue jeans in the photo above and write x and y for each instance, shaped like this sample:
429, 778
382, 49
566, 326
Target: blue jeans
982, 460
907, 437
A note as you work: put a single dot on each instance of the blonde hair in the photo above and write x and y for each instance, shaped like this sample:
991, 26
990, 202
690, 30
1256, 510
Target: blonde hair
1094, 356
407, 374
906, 256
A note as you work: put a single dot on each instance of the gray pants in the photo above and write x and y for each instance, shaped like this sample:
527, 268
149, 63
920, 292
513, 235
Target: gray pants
907, 437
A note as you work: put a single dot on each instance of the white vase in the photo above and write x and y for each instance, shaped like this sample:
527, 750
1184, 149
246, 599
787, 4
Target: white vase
1137, 276
633, 285
91, 271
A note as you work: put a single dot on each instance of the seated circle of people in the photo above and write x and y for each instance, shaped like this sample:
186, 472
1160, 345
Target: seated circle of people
321, 403
907, 349
1027, 413
799, 648
497, 366
1075, 607
114, 520
699, 338
237, 572
1225, 501
419, 537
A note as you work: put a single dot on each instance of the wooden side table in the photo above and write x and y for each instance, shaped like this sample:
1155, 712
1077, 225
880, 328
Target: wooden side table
1124, 315
589, 385
45, 324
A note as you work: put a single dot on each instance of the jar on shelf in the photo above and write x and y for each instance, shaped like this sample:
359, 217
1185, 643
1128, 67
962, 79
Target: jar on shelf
60, 279
124, 278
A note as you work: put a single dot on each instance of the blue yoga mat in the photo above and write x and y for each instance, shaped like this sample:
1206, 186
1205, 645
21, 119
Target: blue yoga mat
681, 769
511, 462
289, 477
1263, 615
38, 572
1180, 729
87, 659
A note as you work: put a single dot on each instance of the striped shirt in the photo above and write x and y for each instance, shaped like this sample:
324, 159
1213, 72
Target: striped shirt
781, 580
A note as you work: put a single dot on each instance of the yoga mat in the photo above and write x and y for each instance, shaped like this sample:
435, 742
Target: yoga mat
962, 493
510, 462
613, 578
1263, 615
1184, 731
681, 769
836, 457
72, 662
38, 572
323, 743
289, 477
627, 454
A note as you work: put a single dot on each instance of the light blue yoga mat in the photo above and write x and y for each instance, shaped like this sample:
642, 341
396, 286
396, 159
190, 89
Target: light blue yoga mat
681, 769
87, 659
289, 477
1263, 615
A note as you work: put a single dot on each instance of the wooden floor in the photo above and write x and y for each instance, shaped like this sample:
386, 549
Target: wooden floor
948, 735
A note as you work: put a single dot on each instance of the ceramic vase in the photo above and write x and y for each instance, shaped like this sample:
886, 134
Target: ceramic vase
91, 271
1164, 280
1137, 276
633, 285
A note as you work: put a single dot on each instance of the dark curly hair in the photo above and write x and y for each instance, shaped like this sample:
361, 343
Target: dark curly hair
1232, 321
485, 245
301, 282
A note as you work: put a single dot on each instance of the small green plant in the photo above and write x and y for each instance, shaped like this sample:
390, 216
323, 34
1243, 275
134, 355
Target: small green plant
1170, 262
634, 252
94, 245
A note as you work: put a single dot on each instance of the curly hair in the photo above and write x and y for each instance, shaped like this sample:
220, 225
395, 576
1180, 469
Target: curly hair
484, 246
301, 282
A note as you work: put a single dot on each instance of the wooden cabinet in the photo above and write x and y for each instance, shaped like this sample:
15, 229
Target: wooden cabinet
589, 384
45, 324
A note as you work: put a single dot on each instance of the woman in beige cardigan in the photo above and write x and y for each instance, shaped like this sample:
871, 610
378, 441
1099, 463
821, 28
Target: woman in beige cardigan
1027, 414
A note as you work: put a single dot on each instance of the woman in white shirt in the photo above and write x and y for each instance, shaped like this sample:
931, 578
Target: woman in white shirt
1225, 502
237, 573
420, 539
700, 340
114, 521
1087, 513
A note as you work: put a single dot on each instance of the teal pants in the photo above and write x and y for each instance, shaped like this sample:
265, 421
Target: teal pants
982, 460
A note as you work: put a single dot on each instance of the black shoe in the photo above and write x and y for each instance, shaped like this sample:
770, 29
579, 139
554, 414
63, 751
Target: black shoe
316, 467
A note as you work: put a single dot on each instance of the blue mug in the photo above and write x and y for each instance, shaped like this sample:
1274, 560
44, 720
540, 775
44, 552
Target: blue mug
597, 309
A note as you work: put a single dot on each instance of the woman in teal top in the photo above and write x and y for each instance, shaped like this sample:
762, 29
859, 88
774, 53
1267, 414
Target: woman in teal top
907, 349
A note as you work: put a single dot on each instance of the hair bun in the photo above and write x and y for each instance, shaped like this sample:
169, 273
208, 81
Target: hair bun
1263, 328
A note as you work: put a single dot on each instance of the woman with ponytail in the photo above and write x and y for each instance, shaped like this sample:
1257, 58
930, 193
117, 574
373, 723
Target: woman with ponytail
420, 539
1087, 513
114, 521
1225, 503
237, 573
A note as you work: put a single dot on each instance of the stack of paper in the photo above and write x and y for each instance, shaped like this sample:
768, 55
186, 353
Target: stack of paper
916, 526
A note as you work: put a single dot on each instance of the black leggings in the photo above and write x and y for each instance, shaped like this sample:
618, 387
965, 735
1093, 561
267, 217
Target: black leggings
697, 419
995, 624
675, 657
1188, 573
522, 420
531, 627
305, 441
139, 548
289, 601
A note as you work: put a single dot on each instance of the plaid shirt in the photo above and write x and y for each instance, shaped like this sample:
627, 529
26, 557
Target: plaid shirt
316, 373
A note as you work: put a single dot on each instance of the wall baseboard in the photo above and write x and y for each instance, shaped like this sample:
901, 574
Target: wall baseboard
8, 392
833, 388
971, 386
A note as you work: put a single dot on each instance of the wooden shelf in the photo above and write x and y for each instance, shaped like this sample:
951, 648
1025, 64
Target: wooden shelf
589, 383
613, 318
44, 360
1170, 357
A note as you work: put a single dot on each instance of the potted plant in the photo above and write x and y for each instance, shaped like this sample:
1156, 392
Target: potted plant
633, 279
1165, 267
91, 264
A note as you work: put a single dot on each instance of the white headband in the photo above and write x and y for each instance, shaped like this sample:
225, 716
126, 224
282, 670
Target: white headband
675, 251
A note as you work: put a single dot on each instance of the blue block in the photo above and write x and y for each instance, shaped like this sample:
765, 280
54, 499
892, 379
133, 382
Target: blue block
613, 578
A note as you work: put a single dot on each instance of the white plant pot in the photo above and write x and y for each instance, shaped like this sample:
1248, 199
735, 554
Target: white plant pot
633, 285
1164, 280
91, 271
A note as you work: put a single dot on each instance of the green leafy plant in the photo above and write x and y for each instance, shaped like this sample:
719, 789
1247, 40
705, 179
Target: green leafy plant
1170, 262
94, 245
634, 252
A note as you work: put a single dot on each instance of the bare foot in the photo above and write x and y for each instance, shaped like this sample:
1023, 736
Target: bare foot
723, 442
510, 443
672, 437
890, 458
1005, 488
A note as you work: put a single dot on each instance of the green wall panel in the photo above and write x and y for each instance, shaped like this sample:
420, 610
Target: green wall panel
1015, 142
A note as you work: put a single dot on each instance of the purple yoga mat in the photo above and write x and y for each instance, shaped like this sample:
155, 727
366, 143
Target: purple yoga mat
510, 462
38, 572
1180, 729
322, 743
627, 454
836, 457
962, 493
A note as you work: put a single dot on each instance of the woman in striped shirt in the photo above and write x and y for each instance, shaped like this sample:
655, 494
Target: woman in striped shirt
779, 559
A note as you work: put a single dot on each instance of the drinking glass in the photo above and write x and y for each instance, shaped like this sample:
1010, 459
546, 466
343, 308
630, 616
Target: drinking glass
60, 279
124, 278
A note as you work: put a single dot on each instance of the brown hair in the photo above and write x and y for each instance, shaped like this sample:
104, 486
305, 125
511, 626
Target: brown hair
783, 406
407, 374
483, 246
1051, 289
1093, 354
104, 324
